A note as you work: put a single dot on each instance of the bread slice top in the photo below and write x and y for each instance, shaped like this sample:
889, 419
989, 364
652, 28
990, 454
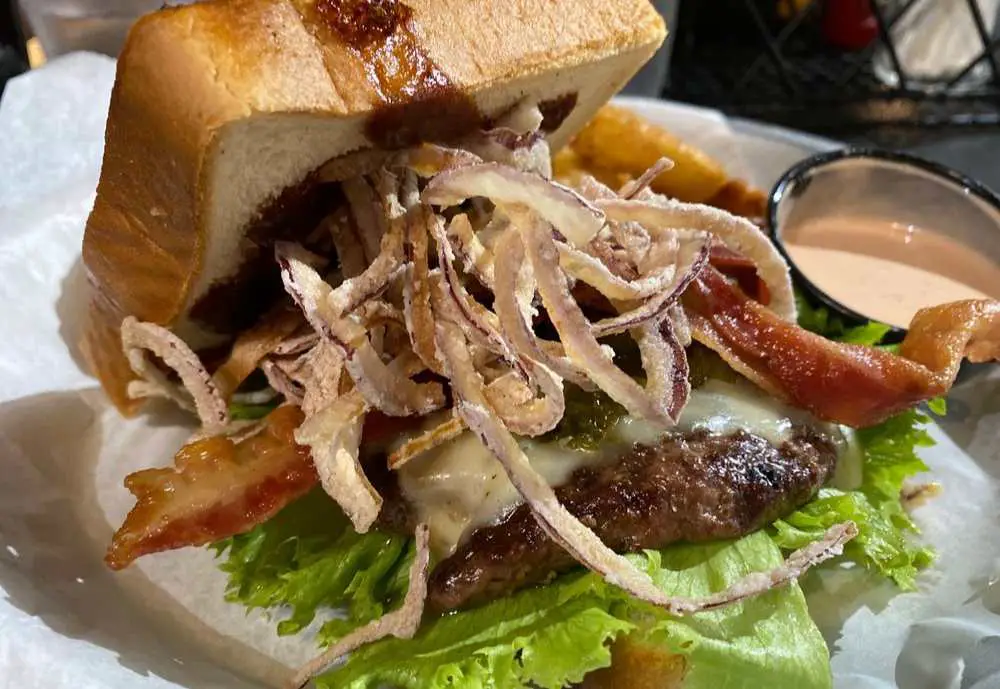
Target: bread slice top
220, 108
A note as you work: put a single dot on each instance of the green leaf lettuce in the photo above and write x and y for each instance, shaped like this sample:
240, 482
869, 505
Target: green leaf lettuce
307, 558
885, 541
553, 635
819, 320
880, 545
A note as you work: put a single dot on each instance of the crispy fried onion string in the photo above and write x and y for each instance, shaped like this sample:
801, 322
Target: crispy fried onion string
364, 204
520, 410
593, 189
596, 273
737, 233
201, 391
692, 258
350, 251
417, 289
428, 160
566, 530
322, 382
333, 435
450, 428
252, 345
630, 189
324, 308
666, 365
511, 395
297, 344
283, 383
634, 240
798, 563
528, 151
355, 291
401, 623
682, 326
515, 289
571, 214
483, 324
494, 228
476, 258
656, 291
575, 331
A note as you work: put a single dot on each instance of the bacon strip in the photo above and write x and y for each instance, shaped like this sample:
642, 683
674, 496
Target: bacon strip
741, 269
939, 337
217, 488
850, 384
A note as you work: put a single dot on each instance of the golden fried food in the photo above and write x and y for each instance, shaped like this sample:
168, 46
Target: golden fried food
619, 142
567, 165
737, 197
636, 665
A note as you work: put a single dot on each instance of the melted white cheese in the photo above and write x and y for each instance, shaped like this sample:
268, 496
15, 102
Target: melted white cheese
459, 486
723, 408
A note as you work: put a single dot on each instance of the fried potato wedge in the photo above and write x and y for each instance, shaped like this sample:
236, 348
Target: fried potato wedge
619, 142
737, 197
635, 665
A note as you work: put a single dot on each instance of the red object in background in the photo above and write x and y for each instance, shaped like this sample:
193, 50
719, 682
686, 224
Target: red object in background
849, 24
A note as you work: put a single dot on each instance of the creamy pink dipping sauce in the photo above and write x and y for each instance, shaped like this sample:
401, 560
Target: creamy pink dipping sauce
888, 271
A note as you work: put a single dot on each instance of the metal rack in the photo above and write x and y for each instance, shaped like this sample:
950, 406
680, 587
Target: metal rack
741, 57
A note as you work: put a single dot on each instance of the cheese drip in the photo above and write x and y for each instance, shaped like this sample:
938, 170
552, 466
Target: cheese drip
460, 487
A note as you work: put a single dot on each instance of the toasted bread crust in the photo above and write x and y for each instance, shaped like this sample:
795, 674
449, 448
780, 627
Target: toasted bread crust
188, 73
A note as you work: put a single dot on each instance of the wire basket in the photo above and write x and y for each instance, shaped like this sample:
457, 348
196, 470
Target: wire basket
749, 58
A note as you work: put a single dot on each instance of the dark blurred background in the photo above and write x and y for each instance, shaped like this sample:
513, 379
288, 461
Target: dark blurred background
841, 67
13, 56
917, 75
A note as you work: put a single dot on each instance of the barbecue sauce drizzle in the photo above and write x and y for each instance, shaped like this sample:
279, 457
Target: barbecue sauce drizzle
418, 100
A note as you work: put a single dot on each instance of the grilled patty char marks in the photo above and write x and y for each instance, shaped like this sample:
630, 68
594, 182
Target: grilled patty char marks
689, 487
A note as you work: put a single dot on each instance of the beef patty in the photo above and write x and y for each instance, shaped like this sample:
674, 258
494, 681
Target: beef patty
688, 487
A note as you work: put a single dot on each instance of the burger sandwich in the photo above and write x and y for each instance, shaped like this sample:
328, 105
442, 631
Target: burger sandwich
513, 432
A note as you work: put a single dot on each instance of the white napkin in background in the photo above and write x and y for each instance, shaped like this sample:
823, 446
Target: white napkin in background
68, 623
51, 139
936, 40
